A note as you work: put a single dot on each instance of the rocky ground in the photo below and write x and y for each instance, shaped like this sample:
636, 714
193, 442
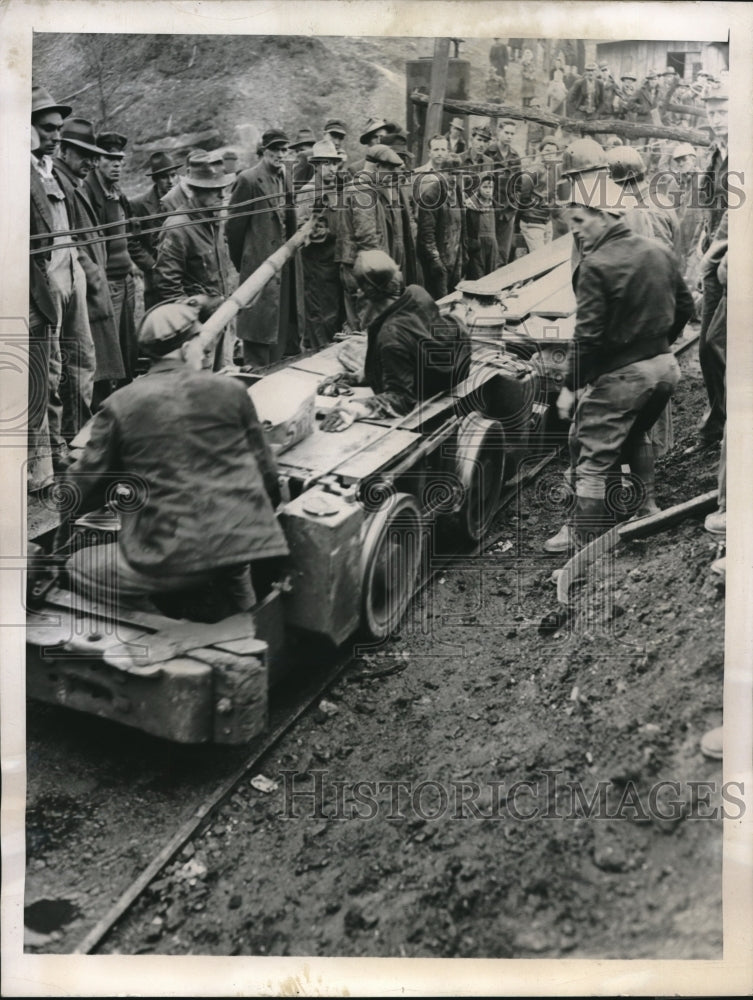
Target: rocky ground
500, 733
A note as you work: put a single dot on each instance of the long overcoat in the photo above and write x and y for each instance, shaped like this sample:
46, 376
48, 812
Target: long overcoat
251, 238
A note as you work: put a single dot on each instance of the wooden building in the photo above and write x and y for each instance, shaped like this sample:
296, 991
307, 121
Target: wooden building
687, 58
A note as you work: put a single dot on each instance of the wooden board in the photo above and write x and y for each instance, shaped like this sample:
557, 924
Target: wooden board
323, 363
558, 305
324, 452
541, 328
181, 638
523, 269
519, 304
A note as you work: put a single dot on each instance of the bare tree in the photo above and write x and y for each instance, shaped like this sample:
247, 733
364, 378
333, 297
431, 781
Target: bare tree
100, 52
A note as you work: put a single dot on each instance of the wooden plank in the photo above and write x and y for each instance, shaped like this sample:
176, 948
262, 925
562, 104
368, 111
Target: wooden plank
703, 504
525, 268
57, 597
559, 304
519, 304
378, 454
541, 328
179, 639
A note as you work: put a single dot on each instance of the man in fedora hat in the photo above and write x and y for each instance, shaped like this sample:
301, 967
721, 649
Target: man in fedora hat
302, 145
164, 174
322, 288
124, 253
456, 136
78, 152
254, 232
60, 341
189, 256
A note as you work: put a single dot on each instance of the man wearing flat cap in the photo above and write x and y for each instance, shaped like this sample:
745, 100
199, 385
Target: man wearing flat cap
209, 483
60, 341
254, 232
475, 156
164, 174
124, 252
322, 288
586, 95
75, 161
375, 217
335, 130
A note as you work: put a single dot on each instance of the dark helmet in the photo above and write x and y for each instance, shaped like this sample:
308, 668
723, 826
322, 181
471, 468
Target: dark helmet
625, 164
375, 270
581, 155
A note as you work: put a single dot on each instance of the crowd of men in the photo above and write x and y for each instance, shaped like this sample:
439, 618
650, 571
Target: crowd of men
203, 227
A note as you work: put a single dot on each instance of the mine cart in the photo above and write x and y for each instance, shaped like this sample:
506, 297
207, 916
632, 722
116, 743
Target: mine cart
365, 511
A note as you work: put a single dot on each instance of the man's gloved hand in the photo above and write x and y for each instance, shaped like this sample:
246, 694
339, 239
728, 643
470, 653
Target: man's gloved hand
337, 385
343, 415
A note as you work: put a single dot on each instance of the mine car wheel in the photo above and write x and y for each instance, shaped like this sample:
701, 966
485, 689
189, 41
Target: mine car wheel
480, 465
390, 561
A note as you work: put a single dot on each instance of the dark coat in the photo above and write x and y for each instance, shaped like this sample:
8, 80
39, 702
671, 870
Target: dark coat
189, 259
401, 345
208, 478
377, 218
632, 303
441, 235
40, 224
93, 260
251, 239
506, 164
576, 97
96, 197
141, 206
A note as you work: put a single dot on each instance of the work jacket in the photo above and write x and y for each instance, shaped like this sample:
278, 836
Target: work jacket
189, 258
440, 238
401, 353
631, 304
191, 447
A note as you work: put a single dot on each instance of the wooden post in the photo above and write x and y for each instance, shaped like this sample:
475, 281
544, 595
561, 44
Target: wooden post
435, 99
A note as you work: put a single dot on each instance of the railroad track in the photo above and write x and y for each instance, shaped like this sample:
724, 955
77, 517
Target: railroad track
283, 719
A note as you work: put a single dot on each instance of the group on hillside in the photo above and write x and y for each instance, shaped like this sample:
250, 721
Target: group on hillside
388, 240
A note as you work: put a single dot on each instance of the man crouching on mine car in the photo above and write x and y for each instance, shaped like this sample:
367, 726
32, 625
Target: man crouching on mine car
202, 479
412, 352
631, 304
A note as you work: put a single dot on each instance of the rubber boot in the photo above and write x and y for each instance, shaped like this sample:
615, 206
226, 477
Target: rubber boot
643, 468
591, 519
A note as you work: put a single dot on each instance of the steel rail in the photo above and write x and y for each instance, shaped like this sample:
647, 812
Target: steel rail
264, 743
